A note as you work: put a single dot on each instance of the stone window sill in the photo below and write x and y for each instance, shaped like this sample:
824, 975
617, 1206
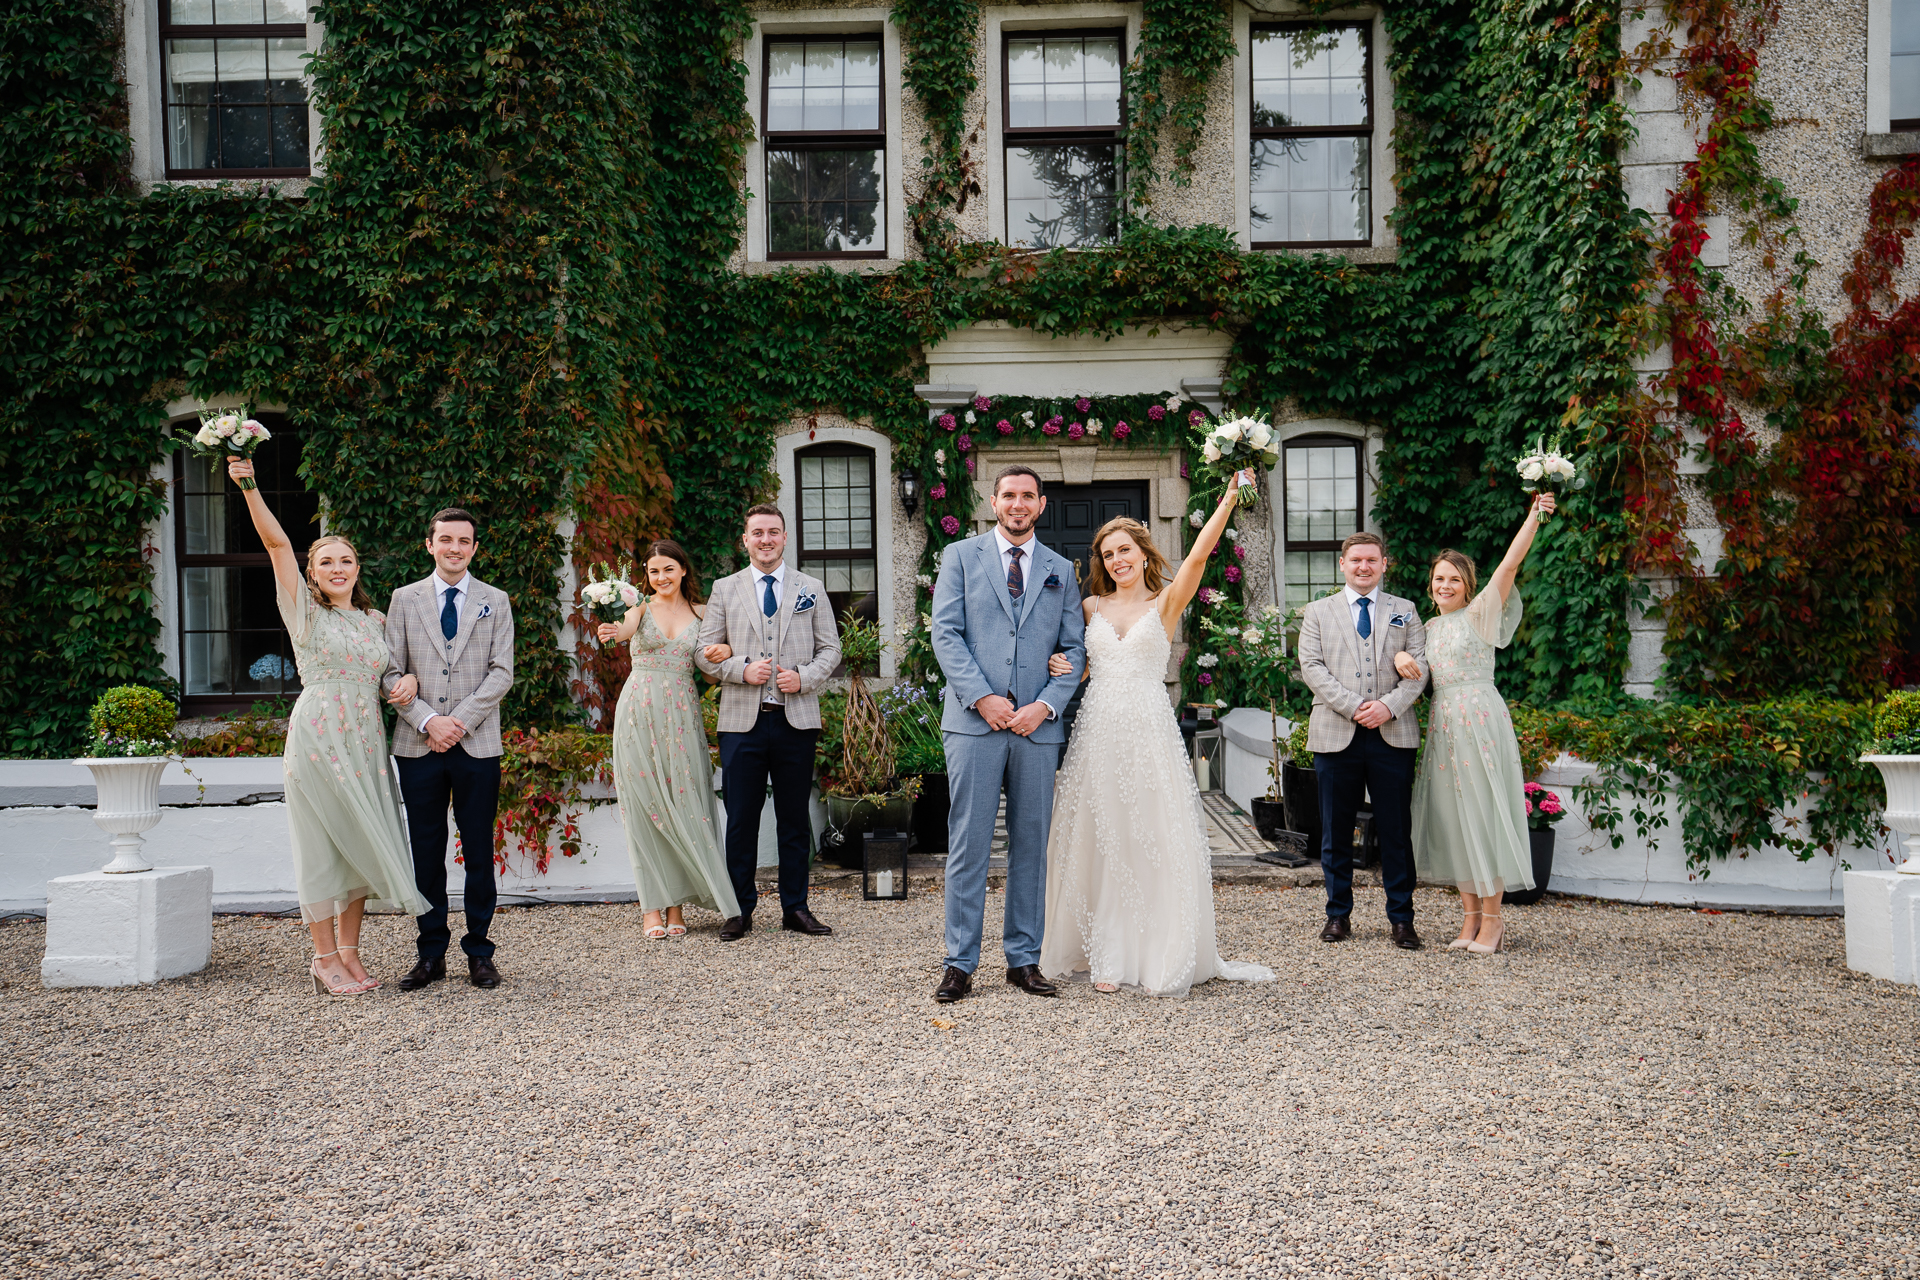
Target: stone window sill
1362, 254
860, 266
1889, 146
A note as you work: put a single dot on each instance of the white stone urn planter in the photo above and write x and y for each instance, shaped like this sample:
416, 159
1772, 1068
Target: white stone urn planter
127, 802
1902, 777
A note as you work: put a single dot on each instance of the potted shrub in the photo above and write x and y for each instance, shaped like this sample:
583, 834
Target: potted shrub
1543, 811
132, 746
1895, 751
1300, 787
1270, 810
864, 795
912, 713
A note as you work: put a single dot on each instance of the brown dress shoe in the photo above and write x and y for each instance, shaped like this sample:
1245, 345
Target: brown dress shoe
1337, 930
1027, 978
1405, 938
422, 973
953, 984
800, 920
481, 973
736, 927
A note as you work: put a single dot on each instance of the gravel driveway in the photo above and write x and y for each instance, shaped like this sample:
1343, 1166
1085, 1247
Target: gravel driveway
1631, 1091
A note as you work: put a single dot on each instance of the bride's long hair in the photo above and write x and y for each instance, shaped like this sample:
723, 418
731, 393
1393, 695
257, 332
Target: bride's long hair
1154, 573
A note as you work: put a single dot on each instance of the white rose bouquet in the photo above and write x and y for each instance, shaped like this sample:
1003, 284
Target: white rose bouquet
1240, 444
226, 434
608, 594
1548, 469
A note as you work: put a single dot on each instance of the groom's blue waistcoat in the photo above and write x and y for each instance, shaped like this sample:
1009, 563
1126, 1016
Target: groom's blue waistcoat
988, 642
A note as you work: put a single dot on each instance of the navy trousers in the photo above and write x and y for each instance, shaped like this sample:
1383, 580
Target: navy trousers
771, 750
1369, 766
471, 784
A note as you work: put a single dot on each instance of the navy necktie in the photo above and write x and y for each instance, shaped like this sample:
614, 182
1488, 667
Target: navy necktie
1365, 625
1016, 583
768, 605
450, 616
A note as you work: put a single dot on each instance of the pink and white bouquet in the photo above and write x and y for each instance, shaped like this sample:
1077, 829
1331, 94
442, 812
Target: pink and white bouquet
225, 435
1546, 468
1241, 444
608, 594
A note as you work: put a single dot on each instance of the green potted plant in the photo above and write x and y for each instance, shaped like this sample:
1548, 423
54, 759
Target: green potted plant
132, 745
1895, 751
1543, 811
912, 712
1300, 787
864, 794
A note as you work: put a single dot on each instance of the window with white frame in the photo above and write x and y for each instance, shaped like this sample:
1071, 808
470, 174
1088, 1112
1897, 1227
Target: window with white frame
1312, 131
1322, 488
1903, 98
825, 147
236, 97
234, 650
838, 521
1064, 133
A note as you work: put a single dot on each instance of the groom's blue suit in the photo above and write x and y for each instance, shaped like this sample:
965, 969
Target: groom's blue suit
989, 643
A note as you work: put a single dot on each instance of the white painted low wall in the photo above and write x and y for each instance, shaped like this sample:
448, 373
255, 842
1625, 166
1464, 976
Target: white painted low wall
46, 832
1585, 861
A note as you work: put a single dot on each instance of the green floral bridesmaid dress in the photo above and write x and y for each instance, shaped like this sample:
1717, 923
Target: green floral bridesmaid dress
664, 778
1469, 804
344, 816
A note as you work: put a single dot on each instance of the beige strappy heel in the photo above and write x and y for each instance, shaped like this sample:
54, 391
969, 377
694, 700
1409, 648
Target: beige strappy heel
321, 987
370, 982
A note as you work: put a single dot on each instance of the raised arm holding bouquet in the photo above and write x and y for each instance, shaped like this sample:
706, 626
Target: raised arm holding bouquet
228, 435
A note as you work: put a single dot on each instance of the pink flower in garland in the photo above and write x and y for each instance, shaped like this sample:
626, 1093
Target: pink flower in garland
1233, 573
1004, 427
949, 525
982, 403
1051, 426
938, 492
1197, 417
969, 461
1206, 677
1083, 404
1155, 413
948, 422
1239, 552
1183, 471
1208, 595
1121, 431
1075, 431
1215, 551
964, 443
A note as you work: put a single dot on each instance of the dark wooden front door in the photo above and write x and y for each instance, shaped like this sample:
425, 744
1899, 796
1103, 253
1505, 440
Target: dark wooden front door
1076, 511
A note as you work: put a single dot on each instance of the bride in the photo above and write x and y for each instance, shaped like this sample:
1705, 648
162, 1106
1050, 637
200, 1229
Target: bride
1129, 868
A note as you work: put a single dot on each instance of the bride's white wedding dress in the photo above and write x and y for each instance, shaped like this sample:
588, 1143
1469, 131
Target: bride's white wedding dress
1129, 870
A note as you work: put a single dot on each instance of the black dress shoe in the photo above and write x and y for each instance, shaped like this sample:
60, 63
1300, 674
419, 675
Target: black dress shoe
953, 984
422, 973
1337, 930
482, 973
736, 927
1027, 978
1405, 938
800, 920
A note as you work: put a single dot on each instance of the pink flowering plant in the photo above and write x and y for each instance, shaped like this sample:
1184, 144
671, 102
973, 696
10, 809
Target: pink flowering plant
1543, 808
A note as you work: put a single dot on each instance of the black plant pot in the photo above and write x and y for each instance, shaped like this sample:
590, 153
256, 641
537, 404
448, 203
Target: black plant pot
930, 814
1269, 818
1541, 843
1301, 788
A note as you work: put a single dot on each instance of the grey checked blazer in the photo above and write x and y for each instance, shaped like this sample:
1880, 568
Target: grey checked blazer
1335, 662
464, 677
801, 637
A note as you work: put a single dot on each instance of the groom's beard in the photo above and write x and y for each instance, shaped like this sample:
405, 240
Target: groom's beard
1013, 525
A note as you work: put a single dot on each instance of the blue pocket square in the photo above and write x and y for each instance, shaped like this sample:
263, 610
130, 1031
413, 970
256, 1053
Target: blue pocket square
486, 611
804, 603
1399, 619
1053, 582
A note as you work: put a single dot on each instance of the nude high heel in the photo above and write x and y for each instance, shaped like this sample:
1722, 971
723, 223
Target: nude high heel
321, 987
1466, 940
370, 981
1499, 937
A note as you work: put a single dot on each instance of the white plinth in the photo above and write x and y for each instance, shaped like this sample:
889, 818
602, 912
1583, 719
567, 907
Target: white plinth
120, 930
1883, 925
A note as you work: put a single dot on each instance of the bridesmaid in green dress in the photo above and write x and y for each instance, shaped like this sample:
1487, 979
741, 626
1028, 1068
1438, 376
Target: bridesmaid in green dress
348, 844
1469, 806
661, 768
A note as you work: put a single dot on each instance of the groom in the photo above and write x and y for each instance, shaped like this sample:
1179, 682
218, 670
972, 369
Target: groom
454, 634
1362, 732
1002, 606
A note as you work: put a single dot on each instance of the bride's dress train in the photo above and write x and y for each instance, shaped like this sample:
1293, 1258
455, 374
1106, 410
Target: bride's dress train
1129, 870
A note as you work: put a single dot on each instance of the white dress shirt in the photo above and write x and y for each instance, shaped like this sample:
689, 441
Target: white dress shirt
1353, 608
460, 590
1027, 549
769, 626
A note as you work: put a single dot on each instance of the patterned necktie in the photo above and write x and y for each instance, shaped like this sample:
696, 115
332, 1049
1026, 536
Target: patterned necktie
1365, 625
1015, 582
768, 605
450, 616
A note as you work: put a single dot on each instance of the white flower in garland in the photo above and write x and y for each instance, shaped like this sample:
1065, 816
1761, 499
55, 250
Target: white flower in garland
1196, 518
970, 419
1233, 535
1175, 401
924, 579
1207, 660
1028, 415
939, 457
1093, 426
1252, 635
